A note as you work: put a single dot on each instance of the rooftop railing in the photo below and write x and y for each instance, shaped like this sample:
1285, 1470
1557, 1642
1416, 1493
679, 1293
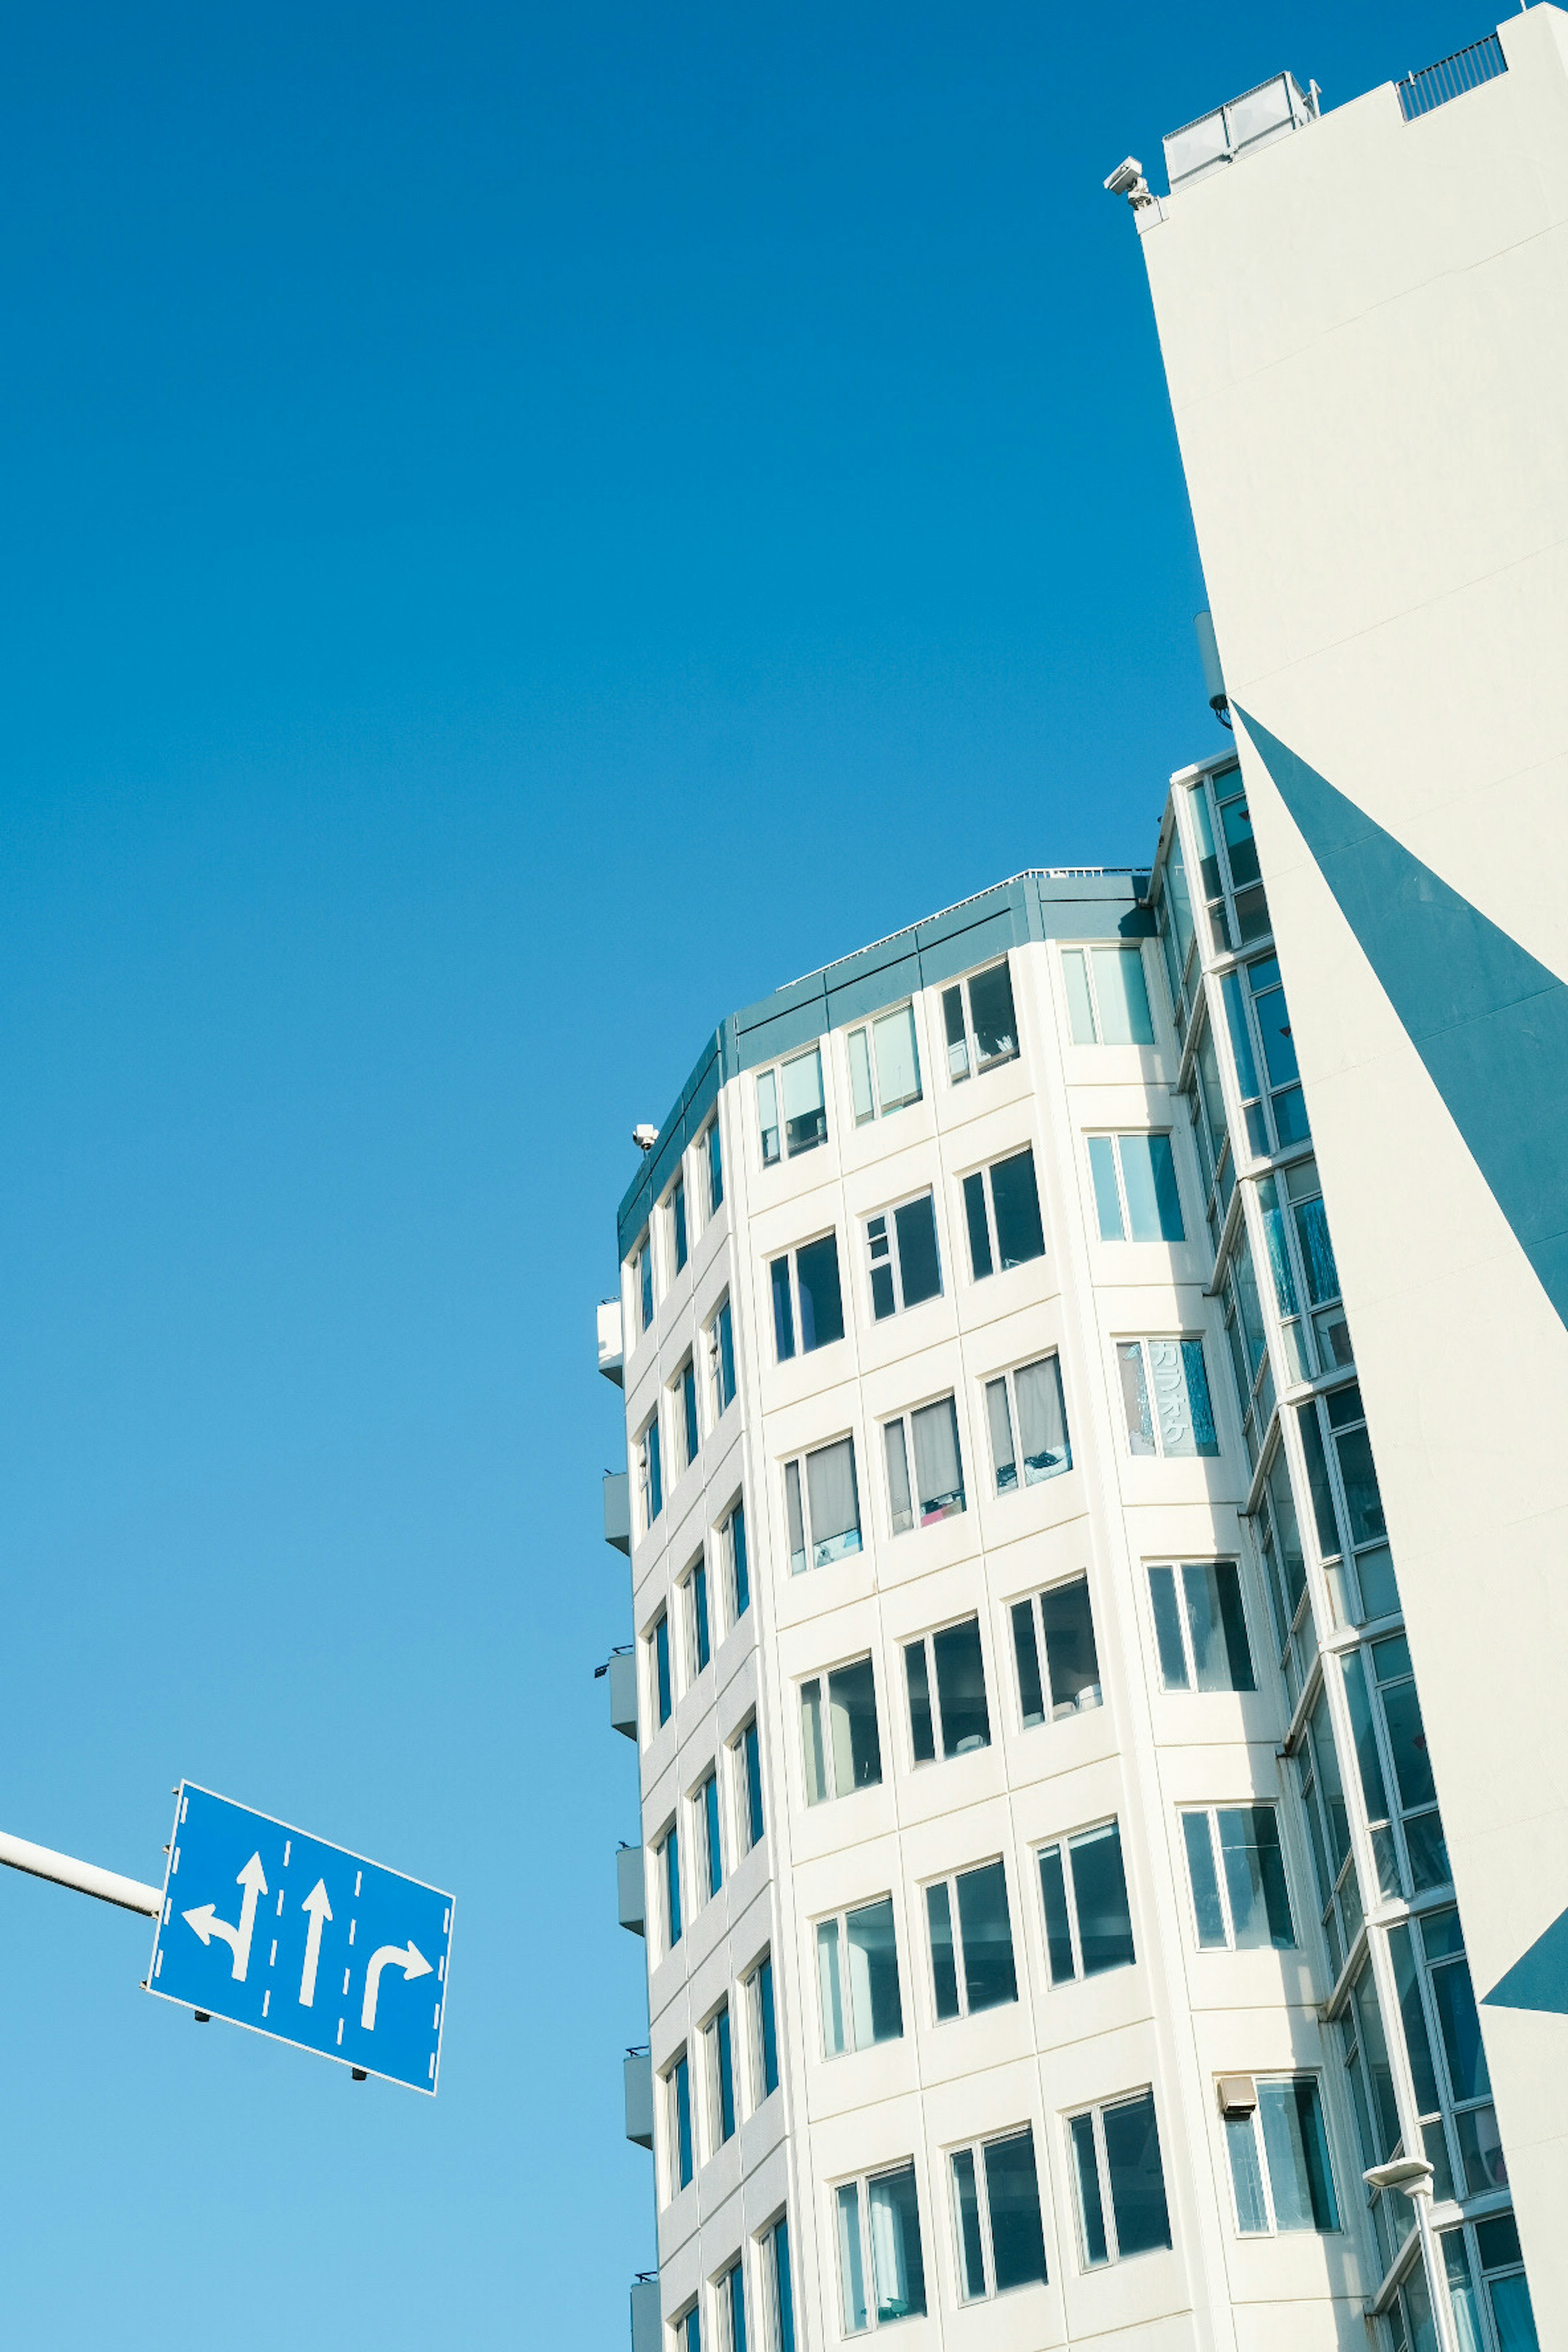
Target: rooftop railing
1251, 120
1451, 76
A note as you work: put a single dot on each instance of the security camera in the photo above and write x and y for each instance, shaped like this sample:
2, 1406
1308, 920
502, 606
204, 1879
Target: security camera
1125, 178
645, 1137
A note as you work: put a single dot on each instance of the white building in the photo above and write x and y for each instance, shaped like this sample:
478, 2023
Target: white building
1004, 1849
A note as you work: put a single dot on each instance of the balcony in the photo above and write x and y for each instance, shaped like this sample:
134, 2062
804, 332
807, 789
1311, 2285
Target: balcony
639, 2097
612, 1351
618, 1510
631, 1896
623, 1678
1255, 119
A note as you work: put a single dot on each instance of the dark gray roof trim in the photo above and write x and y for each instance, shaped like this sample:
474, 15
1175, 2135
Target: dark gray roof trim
1037, 905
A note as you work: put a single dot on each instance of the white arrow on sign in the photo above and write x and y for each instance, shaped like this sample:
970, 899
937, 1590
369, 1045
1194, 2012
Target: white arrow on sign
319, 1909
412, 1963
206, 1924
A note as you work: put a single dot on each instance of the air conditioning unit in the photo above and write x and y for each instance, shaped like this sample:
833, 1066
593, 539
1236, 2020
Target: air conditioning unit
1237, 2097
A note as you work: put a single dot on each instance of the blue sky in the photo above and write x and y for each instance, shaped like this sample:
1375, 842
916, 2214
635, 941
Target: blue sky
525, 528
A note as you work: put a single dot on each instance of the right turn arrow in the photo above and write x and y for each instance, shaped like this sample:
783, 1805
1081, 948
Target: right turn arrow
412, 1963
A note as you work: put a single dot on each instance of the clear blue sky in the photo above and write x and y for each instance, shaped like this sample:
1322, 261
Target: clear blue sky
524, 528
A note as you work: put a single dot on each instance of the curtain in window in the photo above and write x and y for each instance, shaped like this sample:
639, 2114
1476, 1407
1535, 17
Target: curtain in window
835, 1504
805, 1120
938, 1474
1298, 2155
1123, 997
898, 1062
1135, 1396
851, 2272
897, 2269
873, 2002
1042, 1421
899, 1497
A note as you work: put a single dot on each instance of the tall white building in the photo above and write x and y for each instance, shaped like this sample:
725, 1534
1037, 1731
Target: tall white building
1029, 1751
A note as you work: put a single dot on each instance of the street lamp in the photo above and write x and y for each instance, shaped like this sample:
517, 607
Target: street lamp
1412, 2175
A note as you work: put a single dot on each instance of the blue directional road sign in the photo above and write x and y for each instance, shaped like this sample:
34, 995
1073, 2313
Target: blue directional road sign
272, 1929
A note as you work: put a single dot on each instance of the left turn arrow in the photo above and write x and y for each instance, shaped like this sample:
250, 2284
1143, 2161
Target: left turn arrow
205, 1923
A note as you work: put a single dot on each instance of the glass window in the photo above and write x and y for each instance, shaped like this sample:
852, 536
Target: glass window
780, 2292
722, 1356
884, 1065
925, 1469
822, 1507
1002, 1210
712, 1148
1088, 1922
881, 2272
839, 1724
996, 2210
682, 2152
971, 1941
733, 1537
1200, 1627
808, 1306
1107, 999
1135, 1194
663, 1682
1279, 2160
678, 1222
1121, 2183
797, 1085
858, 1973
978, 1021
698, 1639
1173, 914
684, 1404
951, 1665
720, 2078
1027, 1421
650, 1474
1058, 1627
1327, 1827
642, 1282
710, 1848
1285, 1573
688, 2330
1259, 1023
1240, 1896
1165, 1394
747, 1752
730, 2302
668, 1854
900, 1244
764, 2031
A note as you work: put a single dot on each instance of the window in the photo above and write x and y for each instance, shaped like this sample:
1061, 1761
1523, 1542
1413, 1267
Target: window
642, 1282
879, 2249
1255, 1007
698, 1639
1240, 1896
709, 1845
1493, 2245
1200, 1627
776, 2287
884, 1065
822, 1509
730, 2302
720, 2078
808, 1308
713, 1149
929, 1436
905, 1267
682, 2149
722, 1356
1448, 2067
950, 1662
1001, 1209
1121, 2185
1173, 914
668, 1851
1165, 1393
748, 1785
1317, 1765
1245, 918
1302, 1259
1347, 1507
663, 1684
764, 2033
1057, 1626
683, 1394
844, 1752
650, 1474
989, 1034
1089, 1924
996, 2208
1029, 1425
1279, 2160
1107, 999
1135, 1194
971, 1969
1285, 1573
689, 2329
1392, 1754
678, 1222
1238, 1286
732, 1544
798, 1084
857, 1972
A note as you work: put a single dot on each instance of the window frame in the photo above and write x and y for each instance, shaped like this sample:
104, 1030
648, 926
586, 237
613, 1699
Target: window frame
982, 1177
1007, 1378
730, 2288
1210, 1813
649, 1451
1262, 2170
892, 1258
736, 1562
789, 1259
925, 1644
904, 1421
961, 991
1149, 1368
1085, 951
840, 1921
748, 1808
1058, 1710
663, 1695
710, 1144
773, 2251
821, 1681
771, 1075
678, 1220
762, 2028
800, 1505
672, 1903
866, 1031
720, 1330
1178, 1569
1065, 1844
707, 1835
680, 2125
974, 2150
1117, 1136
641, 1274
949, 1881
860, 2186
685, 1414
718, 2031
1095, 2114
697, 1620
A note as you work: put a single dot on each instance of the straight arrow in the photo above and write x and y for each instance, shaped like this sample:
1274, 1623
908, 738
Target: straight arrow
204, 1920
319, 1909
412, 1963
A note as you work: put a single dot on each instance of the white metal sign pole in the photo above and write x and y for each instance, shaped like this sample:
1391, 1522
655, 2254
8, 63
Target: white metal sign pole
41, 1862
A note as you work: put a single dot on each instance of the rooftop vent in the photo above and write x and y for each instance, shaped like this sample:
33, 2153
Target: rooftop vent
1232, 131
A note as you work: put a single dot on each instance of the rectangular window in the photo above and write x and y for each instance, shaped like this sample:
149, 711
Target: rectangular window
1002, 1210
971, 1941
710, 1846
1121, 2183
689, 2329
1347, 1507
698, 1639
683, 1397
1328, 1835
668, 1851
1200, 1627
678, 1222
1135, 1194
642, 1282
881, 2272
1239, 1897
884, 1065
1029, 1425
1279, 2160
721, 1358
857, 1972
822, 1508
1056, 1625
1396, 1767
733, 1537
839, 1724
996, 2210
721, 2077
905, 1267
682, 2145
1248, 1348
713, 1149
927, 1438
797, 1085
650, 1474
1165, 1394
730, 2301
1108, 997
808, 1306
950, 1664
658, 1659
979, 1023
764, 2033
748, 1757
778, 2287
1306, 1277
1088, 1922
1258, 1018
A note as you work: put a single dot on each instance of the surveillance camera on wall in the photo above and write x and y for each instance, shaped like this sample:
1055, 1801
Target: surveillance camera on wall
1125, 178
645, 1137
